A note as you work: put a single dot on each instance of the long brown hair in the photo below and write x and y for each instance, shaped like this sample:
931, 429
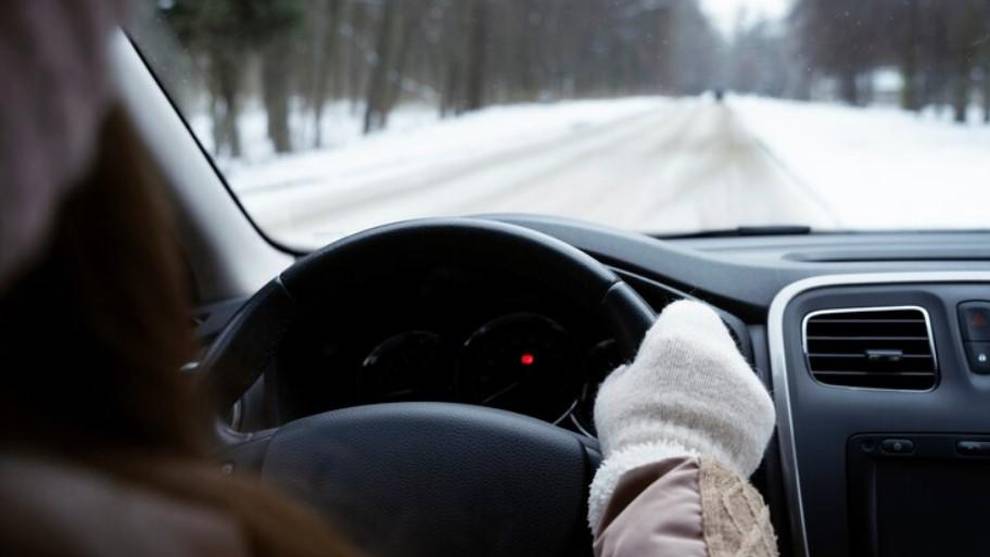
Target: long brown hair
91, 342
92, 335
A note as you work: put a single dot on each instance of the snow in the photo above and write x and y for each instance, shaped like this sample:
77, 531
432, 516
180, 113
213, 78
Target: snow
655, 164
879, 168
288, 193
408, 143
341, 125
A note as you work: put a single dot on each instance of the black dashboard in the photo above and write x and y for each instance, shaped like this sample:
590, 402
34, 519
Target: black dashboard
834, 480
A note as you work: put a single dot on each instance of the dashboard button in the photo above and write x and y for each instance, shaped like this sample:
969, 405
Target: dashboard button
978, 354
974, 320
897, 446
973, 448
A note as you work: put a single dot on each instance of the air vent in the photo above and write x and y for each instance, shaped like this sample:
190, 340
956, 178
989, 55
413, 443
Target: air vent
878, 348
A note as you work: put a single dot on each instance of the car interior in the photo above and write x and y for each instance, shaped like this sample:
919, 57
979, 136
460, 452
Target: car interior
397, 350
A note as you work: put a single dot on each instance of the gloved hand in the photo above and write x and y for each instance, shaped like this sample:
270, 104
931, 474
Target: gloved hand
689, 392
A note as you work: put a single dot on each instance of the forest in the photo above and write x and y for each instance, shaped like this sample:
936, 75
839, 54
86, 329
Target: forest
298, 56
940, 48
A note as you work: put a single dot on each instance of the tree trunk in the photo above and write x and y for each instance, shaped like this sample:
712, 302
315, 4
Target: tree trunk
449, 97
910, 94
215, 128
224, 103
398, 72
375, 112
357, 59
477, 48
961, 85
275, 75
960, 98
940, 53
324, 49
849, 87
452, 52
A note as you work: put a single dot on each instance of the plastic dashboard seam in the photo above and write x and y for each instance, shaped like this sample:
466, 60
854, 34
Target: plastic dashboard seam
779, 372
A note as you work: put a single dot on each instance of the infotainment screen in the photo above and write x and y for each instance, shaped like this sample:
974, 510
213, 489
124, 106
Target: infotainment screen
926, 501
932, 507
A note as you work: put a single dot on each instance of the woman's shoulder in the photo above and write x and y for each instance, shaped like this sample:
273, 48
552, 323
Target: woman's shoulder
55, 508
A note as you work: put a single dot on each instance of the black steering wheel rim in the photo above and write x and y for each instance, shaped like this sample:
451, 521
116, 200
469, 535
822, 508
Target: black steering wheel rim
459, 469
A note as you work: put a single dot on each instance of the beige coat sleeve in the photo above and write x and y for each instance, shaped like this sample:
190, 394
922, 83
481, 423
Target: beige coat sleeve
688, 507
55, 509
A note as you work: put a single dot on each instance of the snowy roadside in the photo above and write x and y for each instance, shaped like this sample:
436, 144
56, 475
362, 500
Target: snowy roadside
878, 168
341, 126
300, 196
415, 141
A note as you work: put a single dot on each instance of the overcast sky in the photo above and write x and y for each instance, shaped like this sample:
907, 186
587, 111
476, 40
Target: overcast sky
724, 12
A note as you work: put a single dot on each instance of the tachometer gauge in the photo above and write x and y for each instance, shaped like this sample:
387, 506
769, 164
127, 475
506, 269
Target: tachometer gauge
522, 362
414, 365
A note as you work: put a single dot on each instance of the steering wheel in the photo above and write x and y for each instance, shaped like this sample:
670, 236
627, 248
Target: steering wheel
426, 478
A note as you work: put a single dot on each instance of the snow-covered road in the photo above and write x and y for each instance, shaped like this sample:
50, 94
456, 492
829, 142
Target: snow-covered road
664, 165
680, 168
652, 164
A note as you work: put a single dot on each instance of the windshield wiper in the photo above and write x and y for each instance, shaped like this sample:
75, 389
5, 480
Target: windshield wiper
740, 231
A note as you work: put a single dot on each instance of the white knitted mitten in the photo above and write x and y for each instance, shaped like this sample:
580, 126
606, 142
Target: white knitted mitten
689, 392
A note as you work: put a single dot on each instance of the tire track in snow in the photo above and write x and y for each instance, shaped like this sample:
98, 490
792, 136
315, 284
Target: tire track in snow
723, 177
680, 167
697, 169
419, 193
598, 187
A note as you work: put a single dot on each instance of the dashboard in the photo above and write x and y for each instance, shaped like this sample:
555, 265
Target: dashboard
818, 316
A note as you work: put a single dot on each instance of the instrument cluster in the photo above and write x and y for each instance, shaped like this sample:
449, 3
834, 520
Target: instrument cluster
521, 362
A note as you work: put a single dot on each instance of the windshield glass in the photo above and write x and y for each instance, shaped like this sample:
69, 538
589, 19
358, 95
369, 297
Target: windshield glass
660, 116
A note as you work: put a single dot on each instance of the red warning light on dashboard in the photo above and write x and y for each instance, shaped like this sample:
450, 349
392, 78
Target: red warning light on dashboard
527, 359
977, 319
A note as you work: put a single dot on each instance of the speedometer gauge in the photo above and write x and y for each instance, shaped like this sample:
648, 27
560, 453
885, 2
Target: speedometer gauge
523, 362
414, 365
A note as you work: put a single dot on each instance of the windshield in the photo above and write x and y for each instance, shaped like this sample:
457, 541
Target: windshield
660, 116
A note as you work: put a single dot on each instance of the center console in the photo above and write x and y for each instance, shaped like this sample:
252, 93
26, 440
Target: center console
883, 403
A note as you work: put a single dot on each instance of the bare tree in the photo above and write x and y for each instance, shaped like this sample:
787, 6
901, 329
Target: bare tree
323, 18
461, 55
377, 95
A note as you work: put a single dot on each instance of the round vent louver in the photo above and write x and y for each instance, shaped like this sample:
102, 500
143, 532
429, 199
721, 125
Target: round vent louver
878, 348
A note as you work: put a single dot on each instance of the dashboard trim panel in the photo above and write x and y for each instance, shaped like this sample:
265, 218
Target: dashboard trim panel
779, 371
